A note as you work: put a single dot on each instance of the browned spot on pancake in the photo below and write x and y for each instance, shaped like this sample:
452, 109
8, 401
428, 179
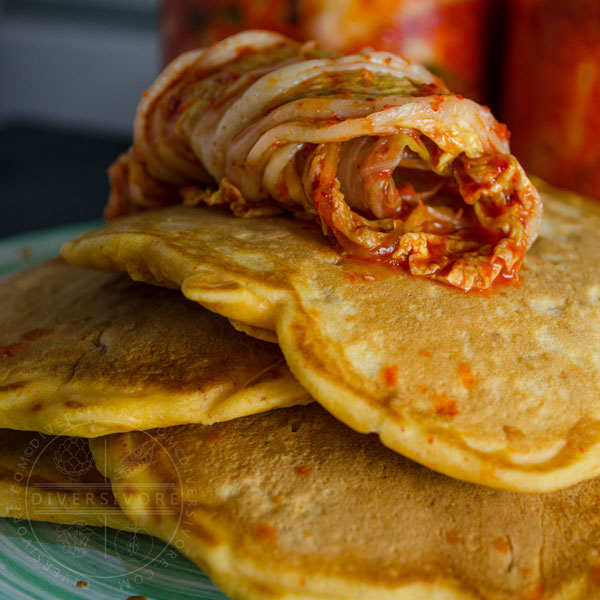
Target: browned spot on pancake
389, 374
425, 353
212, 437
595, 574
9, 387
35, 334
466, 375
444, 405
266, 533
13, 349
452, 537
302, 470
73, 404
501, 545
35, 407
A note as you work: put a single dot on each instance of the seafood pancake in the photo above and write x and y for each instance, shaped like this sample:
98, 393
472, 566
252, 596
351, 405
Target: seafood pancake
498, 389
53, 478
291, 504
87, 353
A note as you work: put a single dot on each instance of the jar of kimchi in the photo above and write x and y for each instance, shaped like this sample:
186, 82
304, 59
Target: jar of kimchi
449, 36
552, 90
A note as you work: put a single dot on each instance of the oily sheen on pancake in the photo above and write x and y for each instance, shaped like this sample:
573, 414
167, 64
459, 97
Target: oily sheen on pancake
53, 478
291, 504
500, 390
88, 353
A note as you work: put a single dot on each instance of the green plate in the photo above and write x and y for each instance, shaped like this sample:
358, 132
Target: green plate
42, 561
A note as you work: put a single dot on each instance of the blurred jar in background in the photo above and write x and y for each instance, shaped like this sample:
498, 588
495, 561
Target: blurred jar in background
552, 90
449, 36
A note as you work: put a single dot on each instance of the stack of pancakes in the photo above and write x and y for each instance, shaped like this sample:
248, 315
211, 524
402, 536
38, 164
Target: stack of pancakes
482, 480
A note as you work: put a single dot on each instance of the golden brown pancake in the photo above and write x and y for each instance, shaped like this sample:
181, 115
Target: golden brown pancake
500, 389
87, 353
292, 504
53, 478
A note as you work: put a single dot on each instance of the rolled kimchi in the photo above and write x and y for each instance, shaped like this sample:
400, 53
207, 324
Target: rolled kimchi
393, 165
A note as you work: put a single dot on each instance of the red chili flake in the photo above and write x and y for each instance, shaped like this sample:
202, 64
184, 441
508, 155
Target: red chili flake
213, 437
423, 389
430, 441
388, 60
466, 375
390, 375
346, 94
302, 471
425, 353
582, 450
12, 349
266, 533
444, 405
350, 318
427, 89
501, 545
460, 96
436, 102
452, 537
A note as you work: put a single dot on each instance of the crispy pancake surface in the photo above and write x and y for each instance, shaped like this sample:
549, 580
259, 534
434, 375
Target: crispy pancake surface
53, 478
87, 353
292, 504
500, 389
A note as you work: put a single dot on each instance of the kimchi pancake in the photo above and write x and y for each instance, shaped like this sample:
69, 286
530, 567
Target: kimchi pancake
291, 504
499, 389
88, 353
53, 478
